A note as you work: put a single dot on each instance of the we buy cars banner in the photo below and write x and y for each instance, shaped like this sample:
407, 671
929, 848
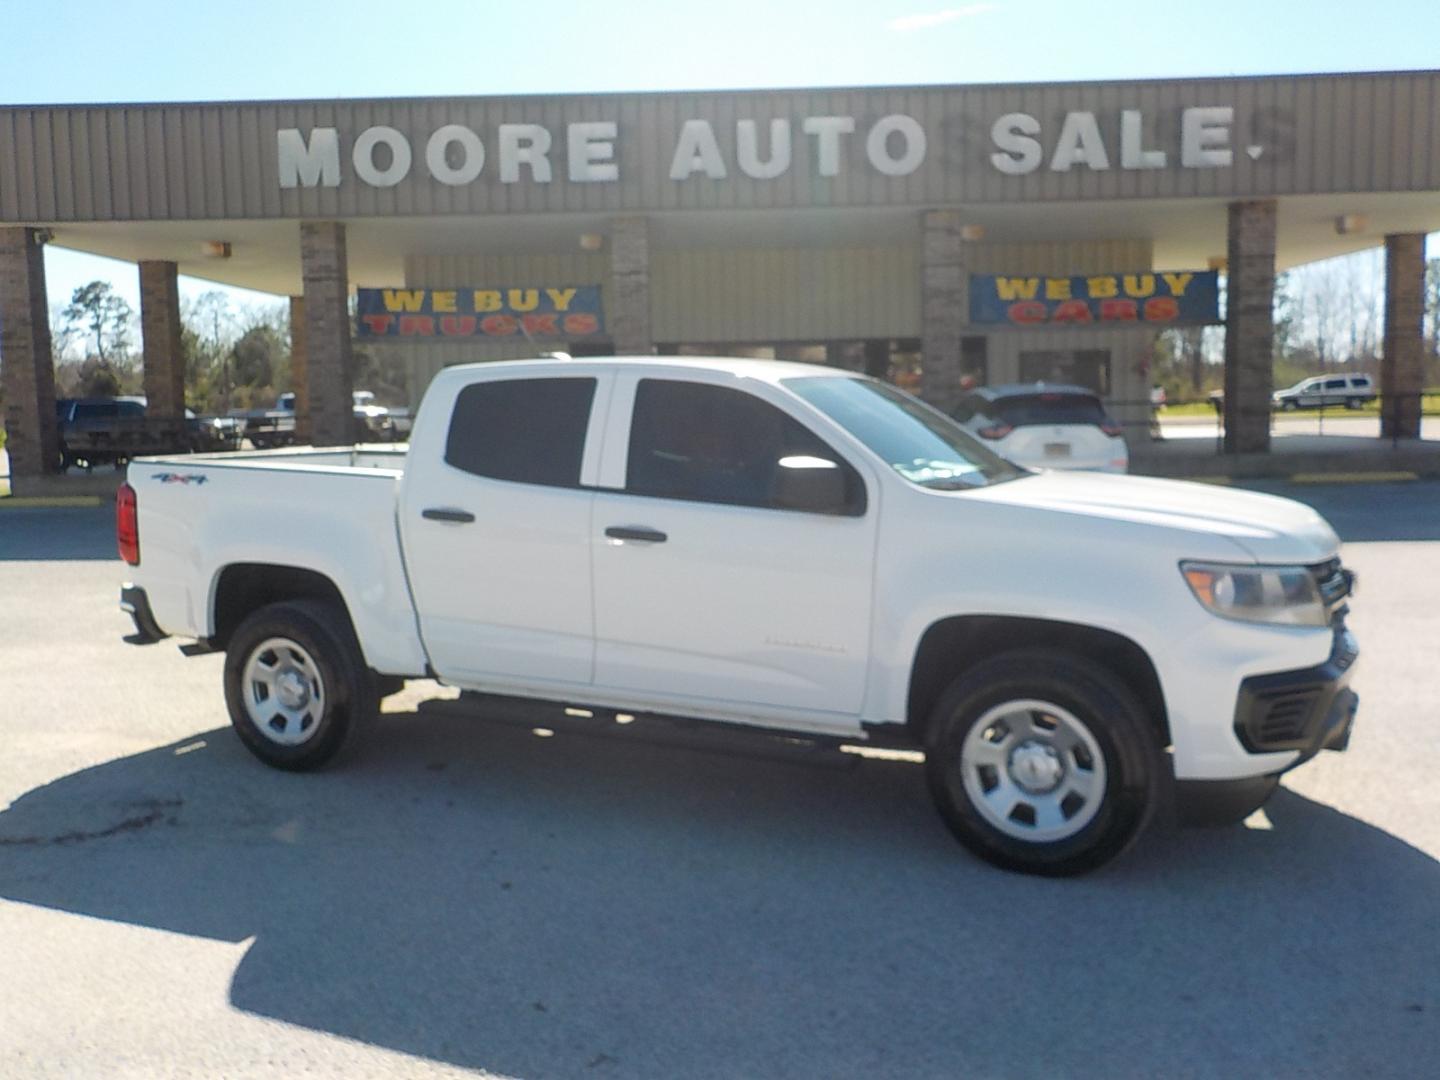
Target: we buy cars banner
1168, 298
566, 312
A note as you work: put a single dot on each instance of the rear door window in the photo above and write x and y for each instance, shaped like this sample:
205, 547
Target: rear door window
529, 431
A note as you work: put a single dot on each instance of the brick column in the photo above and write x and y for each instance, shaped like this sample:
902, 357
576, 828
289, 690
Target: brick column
299, 369
1402, 369
1249, 326
29, 369
164, 358
628, 314
944, 308
329, 370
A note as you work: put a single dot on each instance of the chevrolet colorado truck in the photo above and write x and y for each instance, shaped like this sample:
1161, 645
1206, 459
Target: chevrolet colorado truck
774, 546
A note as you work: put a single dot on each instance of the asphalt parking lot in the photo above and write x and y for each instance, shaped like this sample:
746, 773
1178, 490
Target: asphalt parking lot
464, 896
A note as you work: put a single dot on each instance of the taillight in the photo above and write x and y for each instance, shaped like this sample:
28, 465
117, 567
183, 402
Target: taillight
996, 431
127, 525
1110, 427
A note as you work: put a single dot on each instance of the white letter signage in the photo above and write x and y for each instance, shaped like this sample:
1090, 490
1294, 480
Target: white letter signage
590, 152
363, 156
317, 163
472, 155
697, 151
912, 138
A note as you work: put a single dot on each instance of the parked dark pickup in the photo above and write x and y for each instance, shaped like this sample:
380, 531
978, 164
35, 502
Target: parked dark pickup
372, 422
111, 431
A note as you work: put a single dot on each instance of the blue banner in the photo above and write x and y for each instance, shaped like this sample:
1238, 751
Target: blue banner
564, 312
1161, 298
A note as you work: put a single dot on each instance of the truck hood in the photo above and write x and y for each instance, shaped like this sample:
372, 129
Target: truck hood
1268, 528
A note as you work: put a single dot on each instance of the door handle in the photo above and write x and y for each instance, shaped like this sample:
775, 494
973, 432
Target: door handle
636, 532
444, 513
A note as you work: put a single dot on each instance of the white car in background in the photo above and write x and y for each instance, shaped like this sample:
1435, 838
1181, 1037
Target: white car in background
1045, 426
1351, 391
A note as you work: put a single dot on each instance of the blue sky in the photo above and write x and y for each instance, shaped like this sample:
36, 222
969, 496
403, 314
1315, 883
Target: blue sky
114, 52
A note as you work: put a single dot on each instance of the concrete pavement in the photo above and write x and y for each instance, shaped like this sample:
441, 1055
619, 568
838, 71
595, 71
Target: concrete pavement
466, 898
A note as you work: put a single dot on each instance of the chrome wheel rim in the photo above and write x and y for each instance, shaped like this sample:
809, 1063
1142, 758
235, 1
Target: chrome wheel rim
283, 691
1033, 770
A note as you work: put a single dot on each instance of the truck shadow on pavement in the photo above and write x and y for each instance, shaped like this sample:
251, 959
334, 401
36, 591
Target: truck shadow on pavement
568, 906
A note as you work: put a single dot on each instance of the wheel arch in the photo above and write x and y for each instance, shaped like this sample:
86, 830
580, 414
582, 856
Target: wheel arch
243, 588
951, 646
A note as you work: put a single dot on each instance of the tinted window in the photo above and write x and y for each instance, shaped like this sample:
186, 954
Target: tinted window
1049, 409
1334, 384
714, 444
528, 430
922, 444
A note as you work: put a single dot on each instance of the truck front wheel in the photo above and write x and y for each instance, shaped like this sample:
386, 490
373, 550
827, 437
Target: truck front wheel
296, 684
1041, 762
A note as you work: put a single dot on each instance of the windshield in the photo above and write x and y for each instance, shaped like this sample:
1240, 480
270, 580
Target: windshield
923, 445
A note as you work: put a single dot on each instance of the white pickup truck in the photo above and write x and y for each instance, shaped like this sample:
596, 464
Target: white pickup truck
779, 546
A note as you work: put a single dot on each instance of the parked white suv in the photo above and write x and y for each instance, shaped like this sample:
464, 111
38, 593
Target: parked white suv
1045, 426
1326, 391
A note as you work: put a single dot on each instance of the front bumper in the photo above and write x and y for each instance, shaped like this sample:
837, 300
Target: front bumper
1303, 711
1309, 710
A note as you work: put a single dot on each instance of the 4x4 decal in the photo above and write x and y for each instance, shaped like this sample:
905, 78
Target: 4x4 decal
179, 478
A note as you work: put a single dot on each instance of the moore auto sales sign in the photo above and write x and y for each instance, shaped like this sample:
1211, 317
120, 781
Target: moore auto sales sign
761, 148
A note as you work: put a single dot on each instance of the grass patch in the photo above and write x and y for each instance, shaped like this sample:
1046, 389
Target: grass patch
1190, 408
1429, 406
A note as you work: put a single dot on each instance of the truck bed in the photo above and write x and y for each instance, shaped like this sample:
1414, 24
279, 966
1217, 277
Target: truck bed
330, 511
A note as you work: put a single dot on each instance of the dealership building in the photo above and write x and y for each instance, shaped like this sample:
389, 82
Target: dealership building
994, 233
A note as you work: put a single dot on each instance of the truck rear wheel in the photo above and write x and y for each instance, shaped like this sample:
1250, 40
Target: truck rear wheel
1042, 763
296, 684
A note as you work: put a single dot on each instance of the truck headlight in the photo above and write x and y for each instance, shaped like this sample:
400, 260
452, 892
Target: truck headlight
1286, 595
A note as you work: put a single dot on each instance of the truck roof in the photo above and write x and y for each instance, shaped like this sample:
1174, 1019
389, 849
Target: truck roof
742, 367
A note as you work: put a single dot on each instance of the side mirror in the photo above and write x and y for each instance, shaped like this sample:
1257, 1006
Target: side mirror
813, 484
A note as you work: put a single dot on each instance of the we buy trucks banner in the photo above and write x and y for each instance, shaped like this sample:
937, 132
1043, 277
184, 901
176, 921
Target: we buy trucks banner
1168, 298
564, 312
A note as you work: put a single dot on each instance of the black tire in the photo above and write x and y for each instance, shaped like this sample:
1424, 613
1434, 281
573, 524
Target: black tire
1114, 814
1354, 402
324, 661
1289, 405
